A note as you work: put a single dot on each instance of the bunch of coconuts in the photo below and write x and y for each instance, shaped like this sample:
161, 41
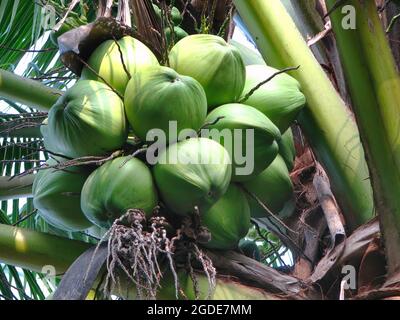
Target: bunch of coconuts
124, 90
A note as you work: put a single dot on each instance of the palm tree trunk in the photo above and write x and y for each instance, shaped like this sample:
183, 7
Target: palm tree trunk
374, 85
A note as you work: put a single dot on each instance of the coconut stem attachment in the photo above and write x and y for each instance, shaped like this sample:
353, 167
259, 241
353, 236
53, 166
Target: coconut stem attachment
83, 161
258, 86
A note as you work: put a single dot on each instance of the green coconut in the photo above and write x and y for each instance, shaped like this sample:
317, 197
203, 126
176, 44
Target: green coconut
159, 95
280, 99
231, 132
118, 185
157, 10
287, 149
88, 120
250, 249
273, 187
176, 16
47, 140
106, 62
228, 220
194, 172
248, 55
213, 62
57, 194
179, 34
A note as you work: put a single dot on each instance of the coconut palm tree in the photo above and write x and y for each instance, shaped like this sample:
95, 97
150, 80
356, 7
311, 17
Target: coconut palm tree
343, 240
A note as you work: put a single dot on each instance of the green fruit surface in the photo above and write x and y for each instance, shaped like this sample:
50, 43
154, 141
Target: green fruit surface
287, 149
280, 99
88, 120
105, 62
194, 172
175, 14
158, 95
273, 187
115, 187
235, 120
56, 196
217, 65
228, 220
179, 34
248, 55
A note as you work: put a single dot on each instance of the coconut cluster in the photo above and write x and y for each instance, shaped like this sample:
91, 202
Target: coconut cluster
124, 91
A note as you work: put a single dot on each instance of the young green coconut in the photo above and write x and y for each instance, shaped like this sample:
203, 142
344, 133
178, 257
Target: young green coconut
88, 120
280, 99
121, 197
287, 149
217, 65
228, 220
117, 186
192, 173
158, 95
178, 33
248, 135
272, 187
106, 62
56, 196
176, 16
249, 56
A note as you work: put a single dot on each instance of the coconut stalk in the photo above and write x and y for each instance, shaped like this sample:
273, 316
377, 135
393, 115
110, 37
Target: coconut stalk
326, 121
19, 187
30, 132
35, 250
374, 86
26, 91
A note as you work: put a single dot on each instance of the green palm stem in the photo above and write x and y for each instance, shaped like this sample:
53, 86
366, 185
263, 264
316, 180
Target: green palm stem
26, 91
19, 187
31, 132
326, 121
33, 250
309, 22
374, 86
